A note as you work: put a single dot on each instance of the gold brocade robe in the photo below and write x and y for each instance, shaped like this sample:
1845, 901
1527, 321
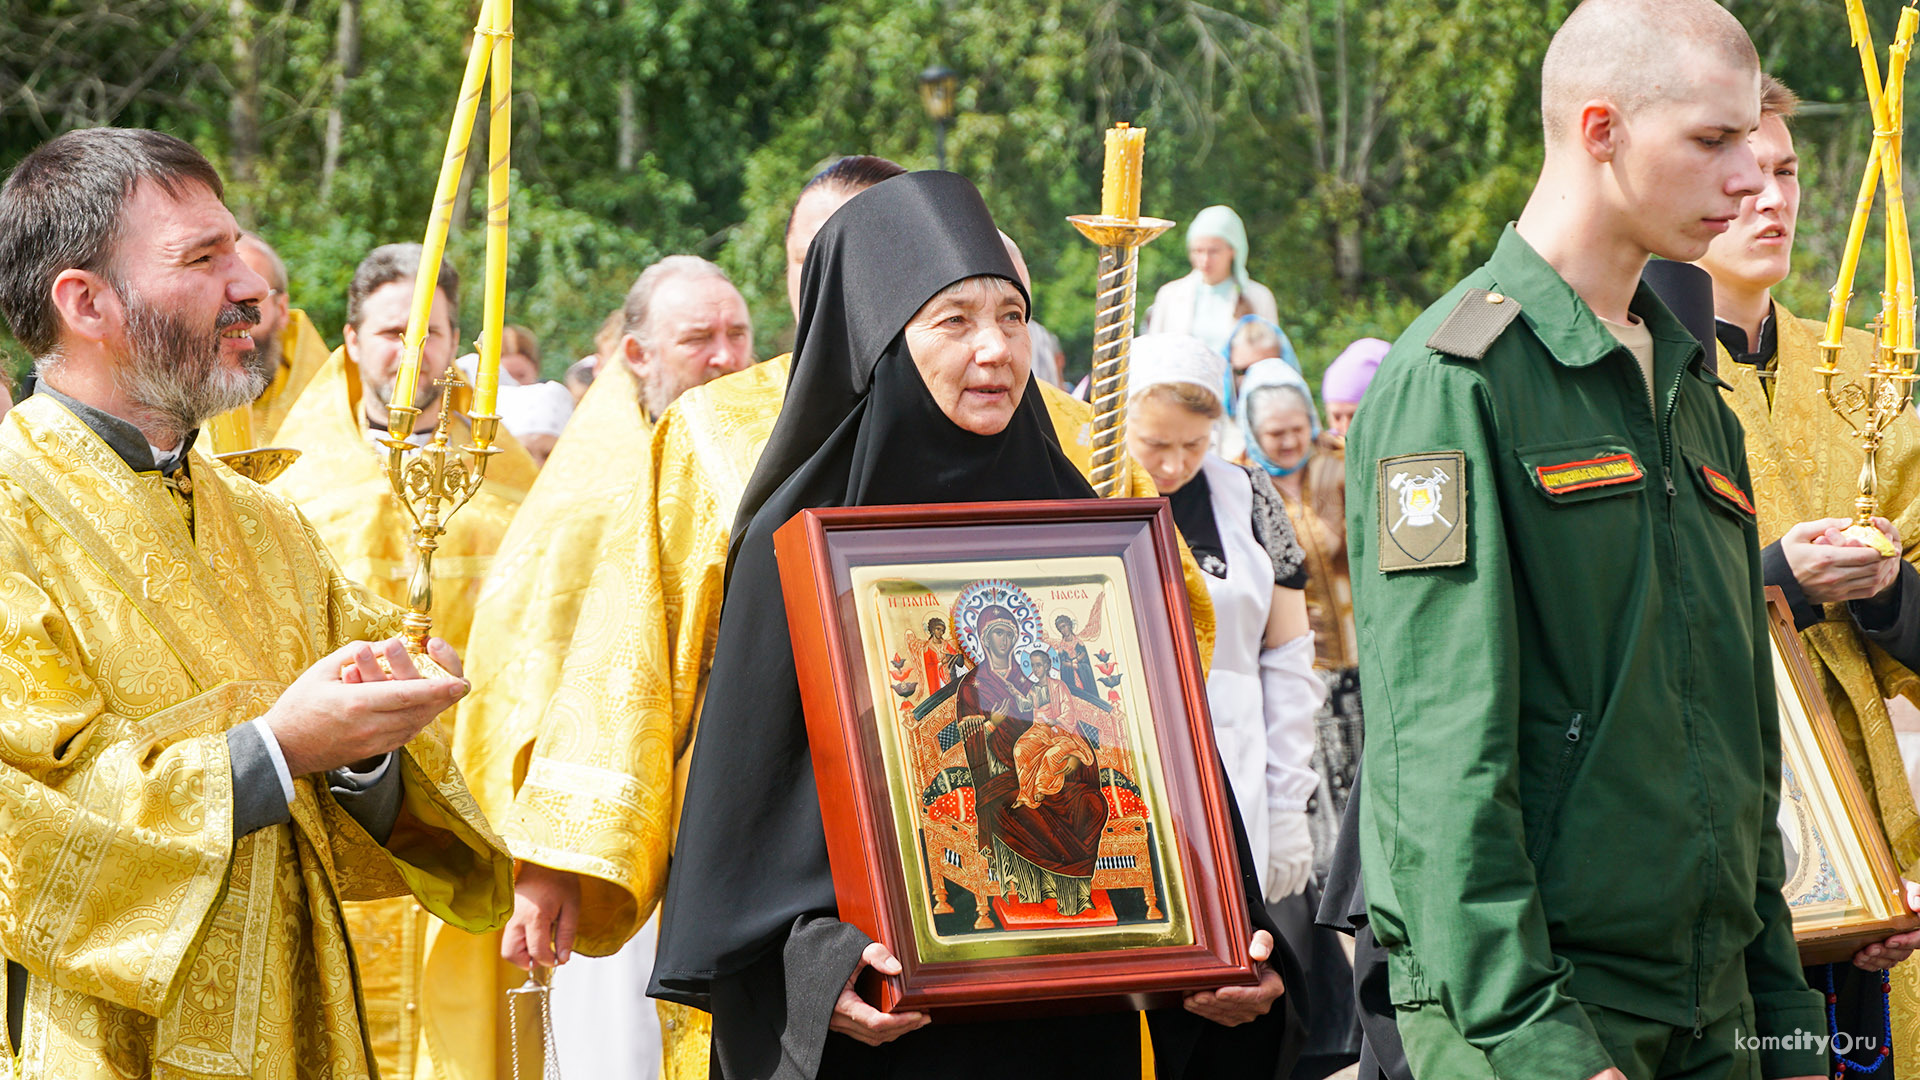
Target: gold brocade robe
302, 354
340, 483
581, 788
648, 626
157, 944
1805, 466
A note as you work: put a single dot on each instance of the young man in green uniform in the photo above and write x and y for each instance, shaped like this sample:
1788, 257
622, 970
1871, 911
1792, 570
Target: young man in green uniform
1572, 758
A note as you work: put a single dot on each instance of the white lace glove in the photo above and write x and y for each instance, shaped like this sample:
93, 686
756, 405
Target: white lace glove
1289, 854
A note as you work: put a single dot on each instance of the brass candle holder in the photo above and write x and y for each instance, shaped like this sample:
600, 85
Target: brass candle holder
1869, 411
1120, 240
433, 482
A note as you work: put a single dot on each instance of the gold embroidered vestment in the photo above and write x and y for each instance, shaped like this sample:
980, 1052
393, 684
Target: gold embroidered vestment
156, 944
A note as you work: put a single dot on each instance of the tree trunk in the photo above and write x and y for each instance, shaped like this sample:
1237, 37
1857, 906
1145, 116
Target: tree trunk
629, 127
346, 59
1349, 263
243, 112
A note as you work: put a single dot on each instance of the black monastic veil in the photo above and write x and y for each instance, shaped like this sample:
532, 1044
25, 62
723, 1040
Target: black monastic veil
748, 928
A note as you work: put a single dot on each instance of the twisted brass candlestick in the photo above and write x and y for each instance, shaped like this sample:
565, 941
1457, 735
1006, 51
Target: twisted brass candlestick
433, 482
1120, 241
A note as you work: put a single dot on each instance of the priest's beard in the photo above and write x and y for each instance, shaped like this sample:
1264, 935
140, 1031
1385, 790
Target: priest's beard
173, 374
660, 385
425, 394
266, 354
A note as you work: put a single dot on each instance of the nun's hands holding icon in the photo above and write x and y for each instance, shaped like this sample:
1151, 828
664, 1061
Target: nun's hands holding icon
856, 1019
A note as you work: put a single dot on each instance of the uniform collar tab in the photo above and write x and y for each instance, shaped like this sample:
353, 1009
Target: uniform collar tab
1564, 322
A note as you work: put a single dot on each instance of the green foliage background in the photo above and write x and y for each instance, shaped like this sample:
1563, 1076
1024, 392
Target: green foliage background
1375, 149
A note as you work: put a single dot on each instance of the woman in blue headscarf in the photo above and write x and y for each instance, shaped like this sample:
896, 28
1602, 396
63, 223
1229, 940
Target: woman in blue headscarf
1254, 339
1209, 302
1281, 428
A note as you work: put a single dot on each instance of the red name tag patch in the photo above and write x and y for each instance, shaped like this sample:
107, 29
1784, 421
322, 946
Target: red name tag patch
1591, 473
1727, 489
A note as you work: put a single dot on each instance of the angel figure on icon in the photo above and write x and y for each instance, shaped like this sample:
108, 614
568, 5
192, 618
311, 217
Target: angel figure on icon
1072, 657
940, 656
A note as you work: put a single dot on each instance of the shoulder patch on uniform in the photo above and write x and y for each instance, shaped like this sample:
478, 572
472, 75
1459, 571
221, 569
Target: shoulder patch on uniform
1422, 510
1474, 324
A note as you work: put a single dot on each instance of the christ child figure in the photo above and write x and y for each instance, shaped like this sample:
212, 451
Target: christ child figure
1053, 747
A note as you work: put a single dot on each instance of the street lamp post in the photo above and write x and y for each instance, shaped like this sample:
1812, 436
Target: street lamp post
936, 93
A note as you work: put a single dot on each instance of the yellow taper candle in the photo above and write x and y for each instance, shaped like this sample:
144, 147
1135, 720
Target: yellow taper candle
1850, 255
1898, 305
486, 382
1869, 63
1862, 39
1120, 182
407, 379
1896, 106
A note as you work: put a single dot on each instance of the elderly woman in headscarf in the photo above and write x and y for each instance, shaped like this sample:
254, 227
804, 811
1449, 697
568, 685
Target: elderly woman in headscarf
1209, 302
1254, 339
1283, 439
910, 384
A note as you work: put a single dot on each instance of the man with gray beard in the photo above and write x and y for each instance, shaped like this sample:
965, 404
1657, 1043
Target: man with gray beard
685, 326
202, 715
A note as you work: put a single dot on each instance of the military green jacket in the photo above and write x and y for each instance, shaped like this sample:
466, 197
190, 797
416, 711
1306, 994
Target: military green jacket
1572, 748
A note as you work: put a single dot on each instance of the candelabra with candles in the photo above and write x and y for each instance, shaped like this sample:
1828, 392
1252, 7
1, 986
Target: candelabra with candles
435, 480
1870, 409
1120, 232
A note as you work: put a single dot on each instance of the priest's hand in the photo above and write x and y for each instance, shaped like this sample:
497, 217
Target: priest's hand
856, 1019
328, 719
1883, 955
1231, 1006
546, 913
1831, 568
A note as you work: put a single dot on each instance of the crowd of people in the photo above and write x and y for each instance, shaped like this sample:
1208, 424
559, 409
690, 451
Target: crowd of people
238, 843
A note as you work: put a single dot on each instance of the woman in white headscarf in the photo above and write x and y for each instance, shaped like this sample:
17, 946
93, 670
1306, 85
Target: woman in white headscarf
1262, 689
1209, 302
1280, 430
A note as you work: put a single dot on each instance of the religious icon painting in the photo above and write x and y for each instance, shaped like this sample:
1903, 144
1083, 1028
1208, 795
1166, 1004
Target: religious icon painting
1841, 883
1014, 758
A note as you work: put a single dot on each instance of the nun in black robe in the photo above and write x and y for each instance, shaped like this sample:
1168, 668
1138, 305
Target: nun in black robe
748, 926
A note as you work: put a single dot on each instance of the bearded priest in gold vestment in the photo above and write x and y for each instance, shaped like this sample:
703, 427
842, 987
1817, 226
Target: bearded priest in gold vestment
635, 671
204, 754
340, 482
1858, 613
294, 350
682, 320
